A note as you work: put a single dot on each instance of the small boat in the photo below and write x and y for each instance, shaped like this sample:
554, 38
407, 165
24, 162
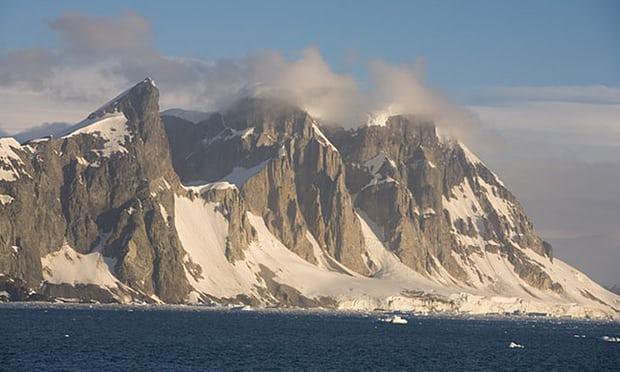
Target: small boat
395, 319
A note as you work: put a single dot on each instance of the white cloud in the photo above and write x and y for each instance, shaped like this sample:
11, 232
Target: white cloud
562, 160
103, 55
403, 89
600, 94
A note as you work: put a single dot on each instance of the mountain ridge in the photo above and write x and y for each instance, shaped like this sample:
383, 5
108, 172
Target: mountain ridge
261, 205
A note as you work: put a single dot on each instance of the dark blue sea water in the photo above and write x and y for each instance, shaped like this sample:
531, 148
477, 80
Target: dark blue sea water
115, 338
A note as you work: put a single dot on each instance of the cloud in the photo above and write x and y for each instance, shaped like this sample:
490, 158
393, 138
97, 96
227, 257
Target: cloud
402, 89
92, 37
559, 122
600, 94
562, 161
101, 56
309, 81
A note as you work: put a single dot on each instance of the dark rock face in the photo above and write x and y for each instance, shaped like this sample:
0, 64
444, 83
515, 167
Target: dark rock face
433, 198
298, 177
76, 190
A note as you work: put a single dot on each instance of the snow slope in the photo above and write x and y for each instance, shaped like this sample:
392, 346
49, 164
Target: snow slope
112, 128
10, 161
203, 231
66, 266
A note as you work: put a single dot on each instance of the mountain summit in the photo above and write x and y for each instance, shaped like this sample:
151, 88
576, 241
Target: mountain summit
261, 205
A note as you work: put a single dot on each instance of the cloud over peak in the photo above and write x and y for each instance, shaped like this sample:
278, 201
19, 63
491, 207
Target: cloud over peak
101, 56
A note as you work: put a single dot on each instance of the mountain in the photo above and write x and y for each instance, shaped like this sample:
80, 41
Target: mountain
616, 288
261, 205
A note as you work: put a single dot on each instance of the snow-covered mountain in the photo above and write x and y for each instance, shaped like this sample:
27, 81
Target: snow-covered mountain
262, 205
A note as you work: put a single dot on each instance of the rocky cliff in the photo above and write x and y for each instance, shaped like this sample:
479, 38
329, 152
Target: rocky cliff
91, 206
261, 204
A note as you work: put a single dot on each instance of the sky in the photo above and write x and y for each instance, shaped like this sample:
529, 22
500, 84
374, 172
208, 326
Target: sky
533, 87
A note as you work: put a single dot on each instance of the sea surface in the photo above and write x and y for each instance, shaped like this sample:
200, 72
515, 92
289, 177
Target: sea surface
113, 338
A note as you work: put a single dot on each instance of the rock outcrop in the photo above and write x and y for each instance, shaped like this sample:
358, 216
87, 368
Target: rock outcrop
100, 189
436, 202
285, 168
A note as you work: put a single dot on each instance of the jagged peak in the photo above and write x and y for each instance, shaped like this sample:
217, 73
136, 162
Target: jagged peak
114, 103
112, 108
148, 80
6, 142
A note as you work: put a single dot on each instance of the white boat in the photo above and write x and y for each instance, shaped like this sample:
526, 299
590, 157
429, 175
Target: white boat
395, 319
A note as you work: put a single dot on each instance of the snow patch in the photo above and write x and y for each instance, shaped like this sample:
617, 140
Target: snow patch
201, 187
111, 127
502, 206
67, 266
240, 175
9, 159
164, 213
234, 180
203, 231
228, 134
321, 137
374, 165
462, 206
6, 199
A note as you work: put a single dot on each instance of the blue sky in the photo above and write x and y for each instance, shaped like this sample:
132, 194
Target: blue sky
465, 44
536, 82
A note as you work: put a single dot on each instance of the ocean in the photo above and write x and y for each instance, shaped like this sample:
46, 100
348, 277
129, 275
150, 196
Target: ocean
78, 338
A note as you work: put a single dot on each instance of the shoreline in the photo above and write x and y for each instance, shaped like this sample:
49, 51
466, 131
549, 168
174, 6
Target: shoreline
36, 305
